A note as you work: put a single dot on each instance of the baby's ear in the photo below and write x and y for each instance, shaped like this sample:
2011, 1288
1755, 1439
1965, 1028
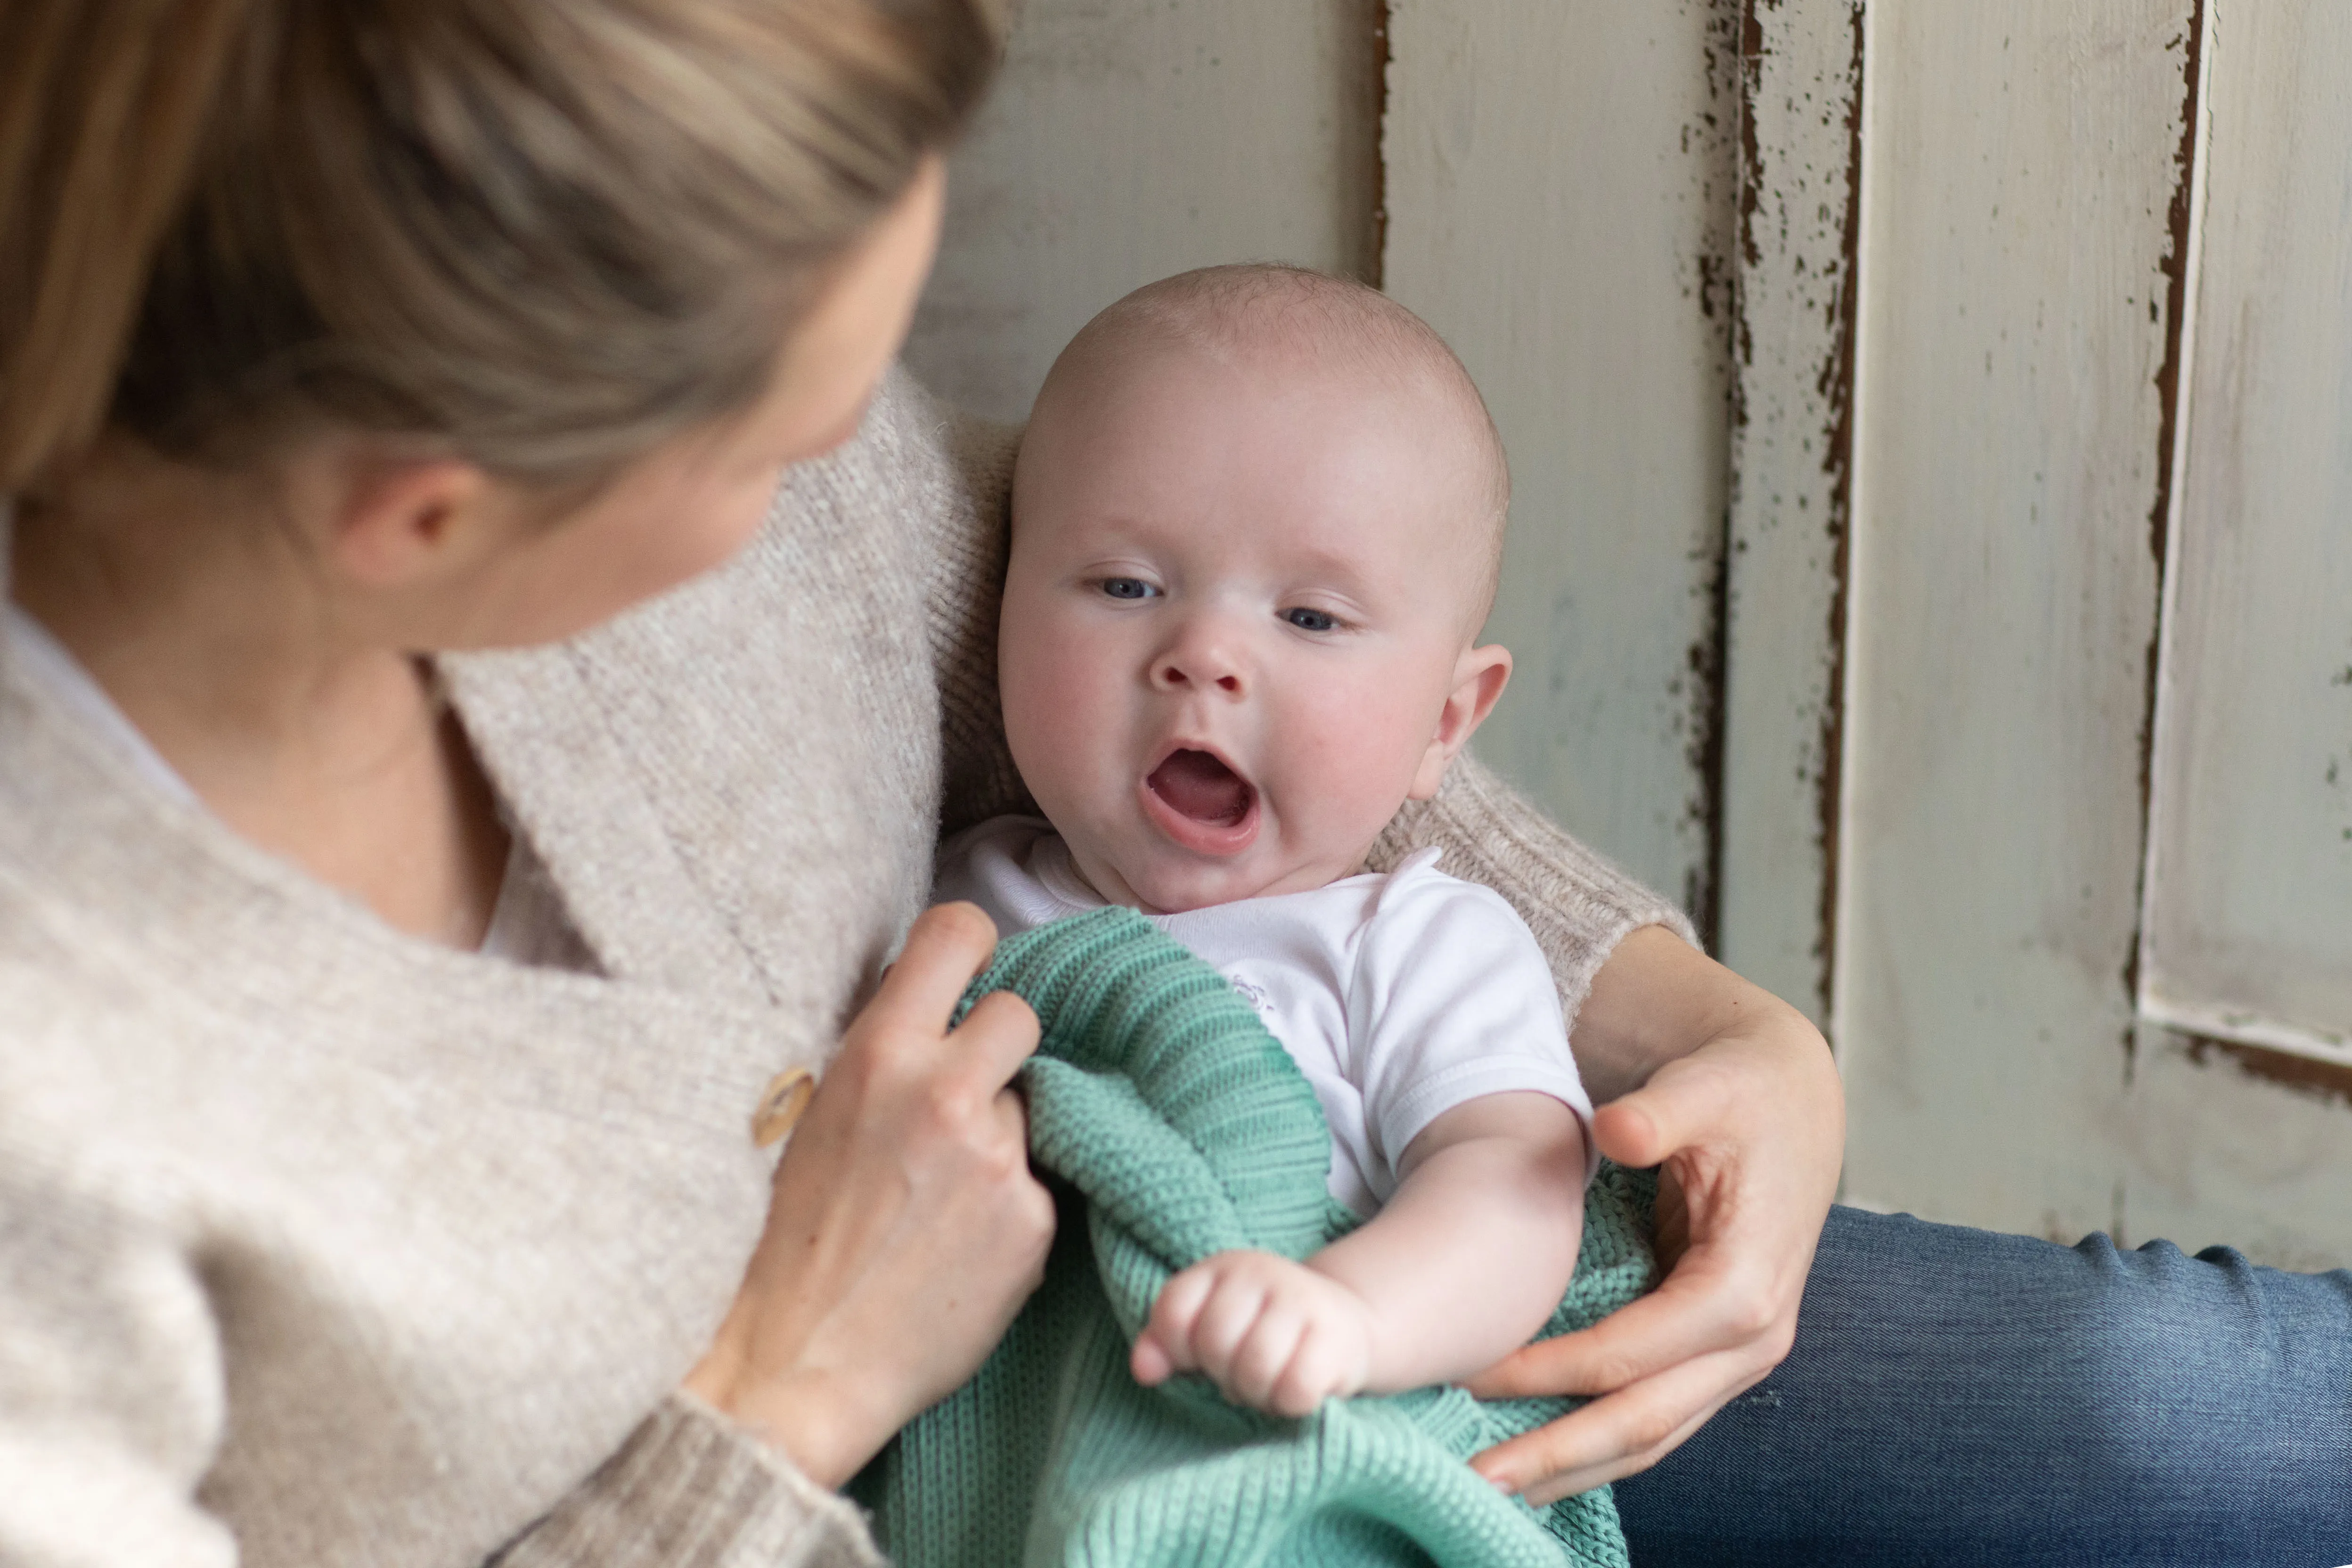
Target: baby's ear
1479, 677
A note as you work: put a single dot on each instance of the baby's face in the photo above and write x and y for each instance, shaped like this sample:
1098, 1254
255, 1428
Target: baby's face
1235, 634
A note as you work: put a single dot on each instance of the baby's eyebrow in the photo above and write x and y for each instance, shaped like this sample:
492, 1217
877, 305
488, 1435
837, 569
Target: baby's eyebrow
1338, 568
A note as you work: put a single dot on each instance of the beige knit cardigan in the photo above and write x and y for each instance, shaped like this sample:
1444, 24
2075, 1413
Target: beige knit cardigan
320, 1245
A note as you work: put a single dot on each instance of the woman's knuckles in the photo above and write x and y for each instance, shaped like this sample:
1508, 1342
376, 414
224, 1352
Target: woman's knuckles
1748, 1315
960, 928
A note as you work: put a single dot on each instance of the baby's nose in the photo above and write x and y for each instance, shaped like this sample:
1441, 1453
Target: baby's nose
1197, 665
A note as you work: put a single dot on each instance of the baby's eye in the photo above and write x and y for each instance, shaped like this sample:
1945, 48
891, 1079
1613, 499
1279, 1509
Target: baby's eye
1308, 620
1128, 588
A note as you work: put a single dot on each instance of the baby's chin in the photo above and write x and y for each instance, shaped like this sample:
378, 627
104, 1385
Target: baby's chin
1174, 890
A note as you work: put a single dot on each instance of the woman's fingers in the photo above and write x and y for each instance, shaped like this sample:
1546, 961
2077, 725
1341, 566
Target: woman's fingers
1694, 1314
1617, 1435
1690, 1103
906, 1228
1748, 1129
945, 948
994, 1038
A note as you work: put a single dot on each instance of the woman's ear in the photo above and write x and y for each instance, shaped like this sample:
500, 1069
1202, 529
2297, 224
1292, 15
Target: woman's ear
1479, 677
398, 523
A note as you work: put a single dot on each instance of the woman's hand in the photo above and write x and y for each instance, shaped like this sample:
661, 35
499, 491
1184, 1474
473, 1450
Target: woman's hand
1744, 1110
905, 1230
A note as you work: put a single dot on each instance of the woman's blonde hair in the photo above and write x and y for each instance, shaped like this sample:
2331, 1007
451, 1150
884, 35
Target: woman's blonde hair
547, 233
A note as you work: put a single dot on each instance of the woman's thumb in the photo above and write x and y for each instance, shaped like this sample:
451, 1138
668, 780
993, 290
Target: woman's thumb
1626, 1131
1683, 1101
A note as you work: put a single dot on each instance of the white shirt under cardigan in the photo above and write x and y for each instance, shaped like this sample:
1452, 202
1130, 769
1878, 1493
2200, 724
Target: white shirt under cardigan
1400, 995
527, 923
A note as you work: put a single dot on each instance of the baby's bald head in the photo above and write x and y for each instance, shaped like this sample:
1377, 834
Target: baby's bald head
1352, 336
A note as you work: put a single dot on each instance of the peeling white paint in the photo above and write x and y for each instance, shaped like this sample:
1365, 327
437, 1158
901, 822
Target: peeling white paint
2018, 173
1791, 455
1559, 179
2250, 917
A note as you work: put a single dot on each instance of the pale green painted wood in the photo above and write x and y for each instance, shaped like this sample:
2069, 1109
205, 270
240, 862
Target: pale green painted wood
1559, 182
1790, 455
2250, 892
1130, 139
2018, 170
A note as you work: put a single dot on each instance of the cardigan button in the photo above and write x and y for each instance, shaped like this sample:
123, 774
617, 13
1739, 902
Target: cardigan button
781, 1103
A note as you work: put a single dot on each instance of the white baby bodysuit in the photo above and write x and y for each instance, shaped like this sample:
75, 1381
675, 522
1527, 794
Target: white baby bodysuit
1399, 995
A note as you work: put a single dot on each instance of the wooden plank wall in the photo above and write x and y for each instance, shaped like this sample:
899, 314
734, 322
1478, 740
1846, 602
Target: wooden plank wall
2249, 887
2020, 162
1127, 141
1560, 184
1791, 496
2250, 880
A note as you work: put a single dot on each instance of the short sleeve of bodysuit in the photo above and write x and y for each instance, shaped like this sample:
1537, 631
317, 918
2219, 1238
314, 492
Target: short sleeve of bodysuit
1449, 998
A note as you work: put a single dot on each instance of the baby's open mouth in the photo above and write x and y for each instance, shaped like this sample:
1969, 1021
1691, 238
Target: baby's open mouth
1200, 786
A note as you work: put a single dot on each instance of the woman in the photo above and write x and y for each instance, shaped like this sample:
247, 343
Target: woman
382, 1016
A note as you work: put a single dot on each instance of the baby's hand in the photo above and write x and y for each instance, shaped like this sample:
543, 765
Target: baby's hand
1268, 1333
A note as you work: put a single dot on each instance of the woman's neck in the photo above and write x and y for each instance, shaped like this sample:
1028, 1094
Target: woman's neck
216, 636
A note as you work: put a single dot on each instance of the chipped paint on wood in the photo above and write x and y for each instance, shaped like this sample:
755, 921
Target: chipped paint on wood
2017, 171
1561, 177
2190, 169
2327, 1082
2250, 894
1791, 443
2244, 1147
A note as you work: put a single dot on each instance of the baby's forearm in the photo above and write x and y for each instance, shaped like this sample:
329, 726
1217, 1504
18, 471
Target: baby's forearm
1475, 1248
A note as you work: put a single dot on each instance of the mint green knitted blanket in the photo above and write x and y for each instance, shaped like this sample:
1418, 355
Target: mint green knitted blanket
1177, 1127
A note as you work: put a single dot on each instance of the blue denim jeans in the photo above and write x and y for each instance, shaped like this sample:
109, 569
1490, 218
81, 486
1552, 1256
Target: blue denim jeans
1960, 1397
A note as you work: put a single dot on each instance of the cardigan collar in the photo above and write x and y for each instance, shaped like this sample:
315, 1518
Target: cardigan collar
161, 890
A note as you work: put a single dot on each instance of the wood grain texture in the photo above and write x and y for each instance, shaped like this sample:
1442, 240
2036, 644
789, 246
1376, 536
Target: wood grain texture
2241, 1148
1560, 181
2249, 919
1791, 454
2019, 169
2250, 892
1130, 139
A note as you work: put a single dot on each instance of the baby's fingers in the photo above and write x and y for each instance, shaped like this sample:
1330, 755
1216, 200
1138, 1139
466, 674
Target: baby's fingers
1165, 1346
1148, 1362
1225, 1318
1263, 1356
1317, 1371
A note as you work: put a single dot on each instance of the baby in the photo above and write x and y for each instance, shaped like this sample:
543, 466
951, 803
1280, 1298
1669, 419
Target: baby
1257, 517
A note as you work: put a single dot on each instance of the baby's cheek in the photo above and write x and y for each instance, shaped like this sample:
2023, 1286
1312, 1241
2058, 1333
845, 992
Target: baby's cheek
1057, 711
1364, 742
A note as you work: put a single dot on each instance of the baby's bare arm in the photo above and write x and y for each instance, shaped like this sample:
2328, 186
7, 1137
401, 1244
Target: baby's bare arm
1462, 1266
1466, 1260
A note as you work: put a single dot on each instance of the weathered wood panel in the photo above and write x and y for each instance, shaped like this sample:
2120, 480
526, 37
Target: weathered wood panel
1559, 179
2249, 926
2021, 162
2241, 1147
2250, 892
1792, 463
1130, 139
